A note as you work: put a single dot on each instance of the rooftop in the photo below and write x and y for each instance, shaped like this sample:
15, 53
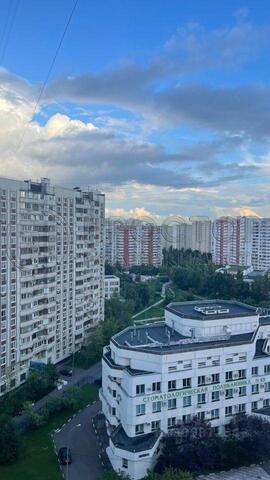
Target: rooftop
211, 309
134, 444
159, 338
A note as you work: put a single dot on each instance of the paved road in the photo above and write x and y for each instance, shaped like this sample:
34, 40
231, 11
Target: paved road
84, 445
80, 377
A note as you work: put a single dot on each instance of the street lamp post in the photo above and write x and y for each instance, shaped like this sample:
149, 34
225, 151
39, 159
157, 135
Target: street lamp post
68, 442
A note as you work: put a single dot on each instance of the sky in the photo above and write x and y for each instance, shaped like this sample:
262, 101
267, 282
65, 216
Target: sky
164, 105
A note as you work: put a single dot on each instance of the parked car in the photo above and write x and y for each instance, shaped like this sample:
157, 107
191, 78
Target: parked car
65, 372
64, 455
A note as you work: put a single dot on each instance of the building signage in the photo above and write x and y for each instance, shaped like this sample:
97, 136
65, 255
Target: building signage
215, 387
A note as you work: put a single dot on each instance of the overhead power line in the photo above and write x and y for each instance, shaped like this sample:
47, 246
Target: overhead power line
11, 16
51, 66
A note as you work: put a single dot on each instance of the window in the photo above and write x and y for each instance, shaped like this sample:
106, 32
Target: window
254, 406
171, 403
187, 401
228, 411
215, 396
242, 373
140, 389
201, 398
140, 409
229, 376
266, 368
255, 388
267, 387
156, 407
215, 378
229, 393
255, 370
172, 385
124, 463
242, 408
186, 382
113, 411
139, 429
242, 391
156, 387
114, 393
214, 413
171, 422
201, 415
266, 402
201, 380
186, 418
155, 425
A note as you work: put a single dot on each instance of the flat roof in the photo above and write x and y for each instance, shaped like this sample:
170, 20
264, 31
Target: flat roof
134, 444
158, 338
218, 309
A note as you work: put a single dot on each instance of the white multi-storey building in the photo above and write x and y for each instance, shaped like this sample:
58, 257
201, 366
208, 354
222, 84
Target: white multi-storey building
112, 286
52, 273
209, 359
132, 242
194, 233
242, 241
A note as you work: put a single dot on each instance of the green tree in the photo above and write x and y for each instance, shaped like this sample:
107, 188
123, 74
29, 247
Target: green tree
9, 440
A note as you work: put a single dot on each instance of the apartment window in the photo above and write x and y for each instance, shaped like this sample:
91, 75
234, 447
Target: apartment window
242, 391
140, 409
171, 422
255, 371
201, 380
113, 411
229, 376
155, 425
201, 398
124, 463
228, 411
255, 388
156, 387
215, 396
114, 393
156, 407
139, 429
186, 382
229, 393
254, 406
187, 401
172, 385
266, 402
171, 403
266, 368
140, 389
242, 373
214, 413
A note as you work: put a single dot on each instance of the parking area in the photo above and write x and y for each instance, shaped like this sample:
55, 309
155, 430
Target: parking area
87, 459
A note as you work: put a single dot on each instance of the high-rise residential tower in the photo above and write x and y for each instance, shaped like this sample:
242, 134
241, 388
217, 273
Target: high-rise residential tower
52, 273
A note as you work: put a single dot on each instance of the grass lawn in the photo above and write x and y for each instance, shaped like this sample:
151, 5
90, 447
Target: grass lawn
157, 311
38, 460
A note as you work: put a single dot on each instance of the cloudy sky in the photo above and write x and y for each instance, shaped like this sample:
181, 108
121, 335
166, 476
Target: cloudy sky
162, 104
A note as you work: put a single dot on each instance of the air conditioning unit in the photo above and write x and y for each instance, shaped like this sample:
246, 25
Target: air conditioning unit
235, 375
208, 379
148, 424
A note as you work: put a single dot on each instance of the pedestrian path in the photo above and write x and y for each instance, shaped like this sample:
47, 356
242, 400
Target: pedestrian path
255, 472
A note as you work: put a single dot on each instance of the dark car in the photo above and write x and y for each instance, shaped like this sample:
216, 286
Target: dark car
66, 373
64, 455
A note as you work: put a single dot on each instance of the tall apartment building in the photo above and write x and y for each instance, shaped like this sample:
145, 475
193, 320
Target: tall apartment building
194, 234
133, 242
209, 359
242, 241
52, 273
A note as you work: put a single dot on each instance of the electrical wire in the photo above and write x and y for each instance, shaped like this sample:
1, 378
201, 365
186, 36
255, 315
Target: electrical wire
8, 29
45, 82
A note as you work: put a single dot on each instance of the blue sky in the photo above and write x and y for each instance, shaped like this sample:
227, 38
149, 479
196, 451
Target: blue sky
162, 104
